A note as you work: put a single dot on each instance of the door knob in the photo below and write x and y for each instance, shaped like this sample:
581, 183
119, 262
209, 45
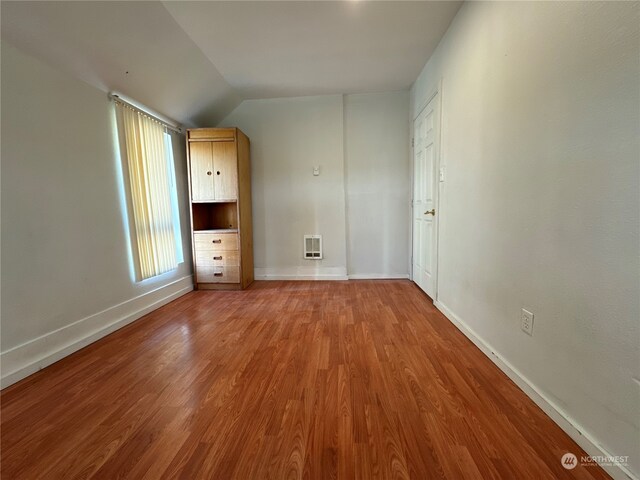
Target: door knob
431, 212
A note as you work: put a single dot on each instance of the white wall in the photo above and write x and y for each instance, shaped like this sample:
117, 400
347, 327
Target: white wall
540, 208
66, 267
289, 136
378, 184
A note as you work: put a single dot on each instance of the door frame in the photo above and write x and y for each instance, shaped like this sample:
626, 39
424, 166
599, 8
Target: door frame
435, 91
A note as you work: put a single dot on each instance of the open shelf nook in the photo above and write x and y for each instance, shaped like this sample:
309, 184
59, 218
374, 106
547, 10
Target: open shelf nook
215, 216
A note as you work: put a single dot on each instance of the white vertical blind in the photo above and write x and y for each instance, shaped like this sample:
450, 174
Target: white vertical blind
149, 181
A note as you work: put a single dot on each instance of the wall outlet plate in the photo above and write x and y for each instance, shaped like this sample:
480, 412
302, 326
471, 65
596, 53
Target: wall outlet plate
526, 322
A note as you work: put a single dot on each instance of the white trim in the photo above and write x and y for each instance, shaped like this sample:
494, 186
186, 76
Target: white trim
26, 359
435, 92
378, 276
345, 183
439, 186
301, 273
557, 414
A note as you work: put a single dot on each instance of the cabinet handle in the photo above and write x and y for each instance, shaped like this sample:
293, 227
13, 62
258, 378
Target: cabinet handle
216, 241
217, 173
217, 274
209, 173
218, 258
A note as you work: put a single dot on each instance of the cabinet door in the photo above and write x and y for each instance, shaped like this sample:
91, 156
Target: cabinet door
225, 170
202, 183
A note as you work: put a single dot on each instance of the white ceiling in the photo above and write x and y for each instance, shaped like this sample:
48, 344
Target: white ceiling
195, 61
282, 48
99, 42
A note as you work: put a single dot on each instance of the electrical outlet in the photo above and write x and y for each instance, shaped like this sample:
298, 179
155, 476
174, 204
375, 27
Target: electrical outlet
526, 322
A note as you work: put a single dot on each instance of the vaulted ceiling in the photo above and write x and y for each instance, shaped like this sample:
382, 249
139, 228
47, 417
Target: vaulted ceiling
196, 61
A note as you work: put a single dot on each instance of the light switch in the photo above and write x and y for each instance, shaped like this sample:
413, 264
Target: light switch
316, 171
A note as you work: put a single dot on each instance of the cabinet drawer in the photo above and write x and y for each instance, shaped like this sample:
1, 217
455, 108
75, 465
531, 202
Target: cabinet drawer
218, 274
215, 241
211, 258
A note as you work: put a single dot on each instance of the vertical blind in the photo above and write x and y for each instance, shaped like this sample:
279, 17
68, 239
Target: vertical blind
149, 182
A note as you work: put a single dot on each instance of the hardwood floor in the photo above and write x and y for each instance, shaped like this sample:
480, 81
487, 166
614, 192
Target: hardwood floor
316, 380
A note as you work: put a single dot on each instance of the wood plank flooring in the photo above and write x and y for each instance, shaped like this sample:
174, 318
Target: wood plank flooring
314, 380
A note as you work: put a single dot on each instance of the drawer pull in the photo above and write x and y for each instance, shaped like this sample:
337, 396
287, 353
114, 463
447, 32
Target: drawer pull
218, 258
216, 241
208, 173
217, 274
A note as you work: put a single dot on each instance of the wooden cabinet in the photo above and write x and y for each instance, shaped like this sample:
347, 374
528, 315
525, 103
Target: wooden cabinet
202, 187
214, 171
220, 191
225, 170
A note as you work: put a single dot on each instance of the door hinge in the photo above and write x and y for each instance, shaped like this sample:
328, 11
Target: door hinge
412, 142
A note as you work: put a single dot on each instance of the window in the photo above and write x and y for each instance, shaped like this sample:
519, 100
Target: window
149, 174
175, 211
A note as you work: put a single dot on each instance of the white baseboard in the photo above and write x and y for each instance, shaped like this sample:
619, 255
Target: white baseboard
301, 273
560, 417
26, 359
378, 276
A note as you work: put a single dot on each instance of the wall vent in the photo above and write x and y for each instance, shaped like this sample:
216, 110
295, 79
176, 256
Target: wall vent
313, 247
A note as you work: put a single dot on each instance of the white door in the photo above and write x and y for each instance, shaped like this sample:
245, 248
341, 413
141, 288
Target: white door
425, 191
